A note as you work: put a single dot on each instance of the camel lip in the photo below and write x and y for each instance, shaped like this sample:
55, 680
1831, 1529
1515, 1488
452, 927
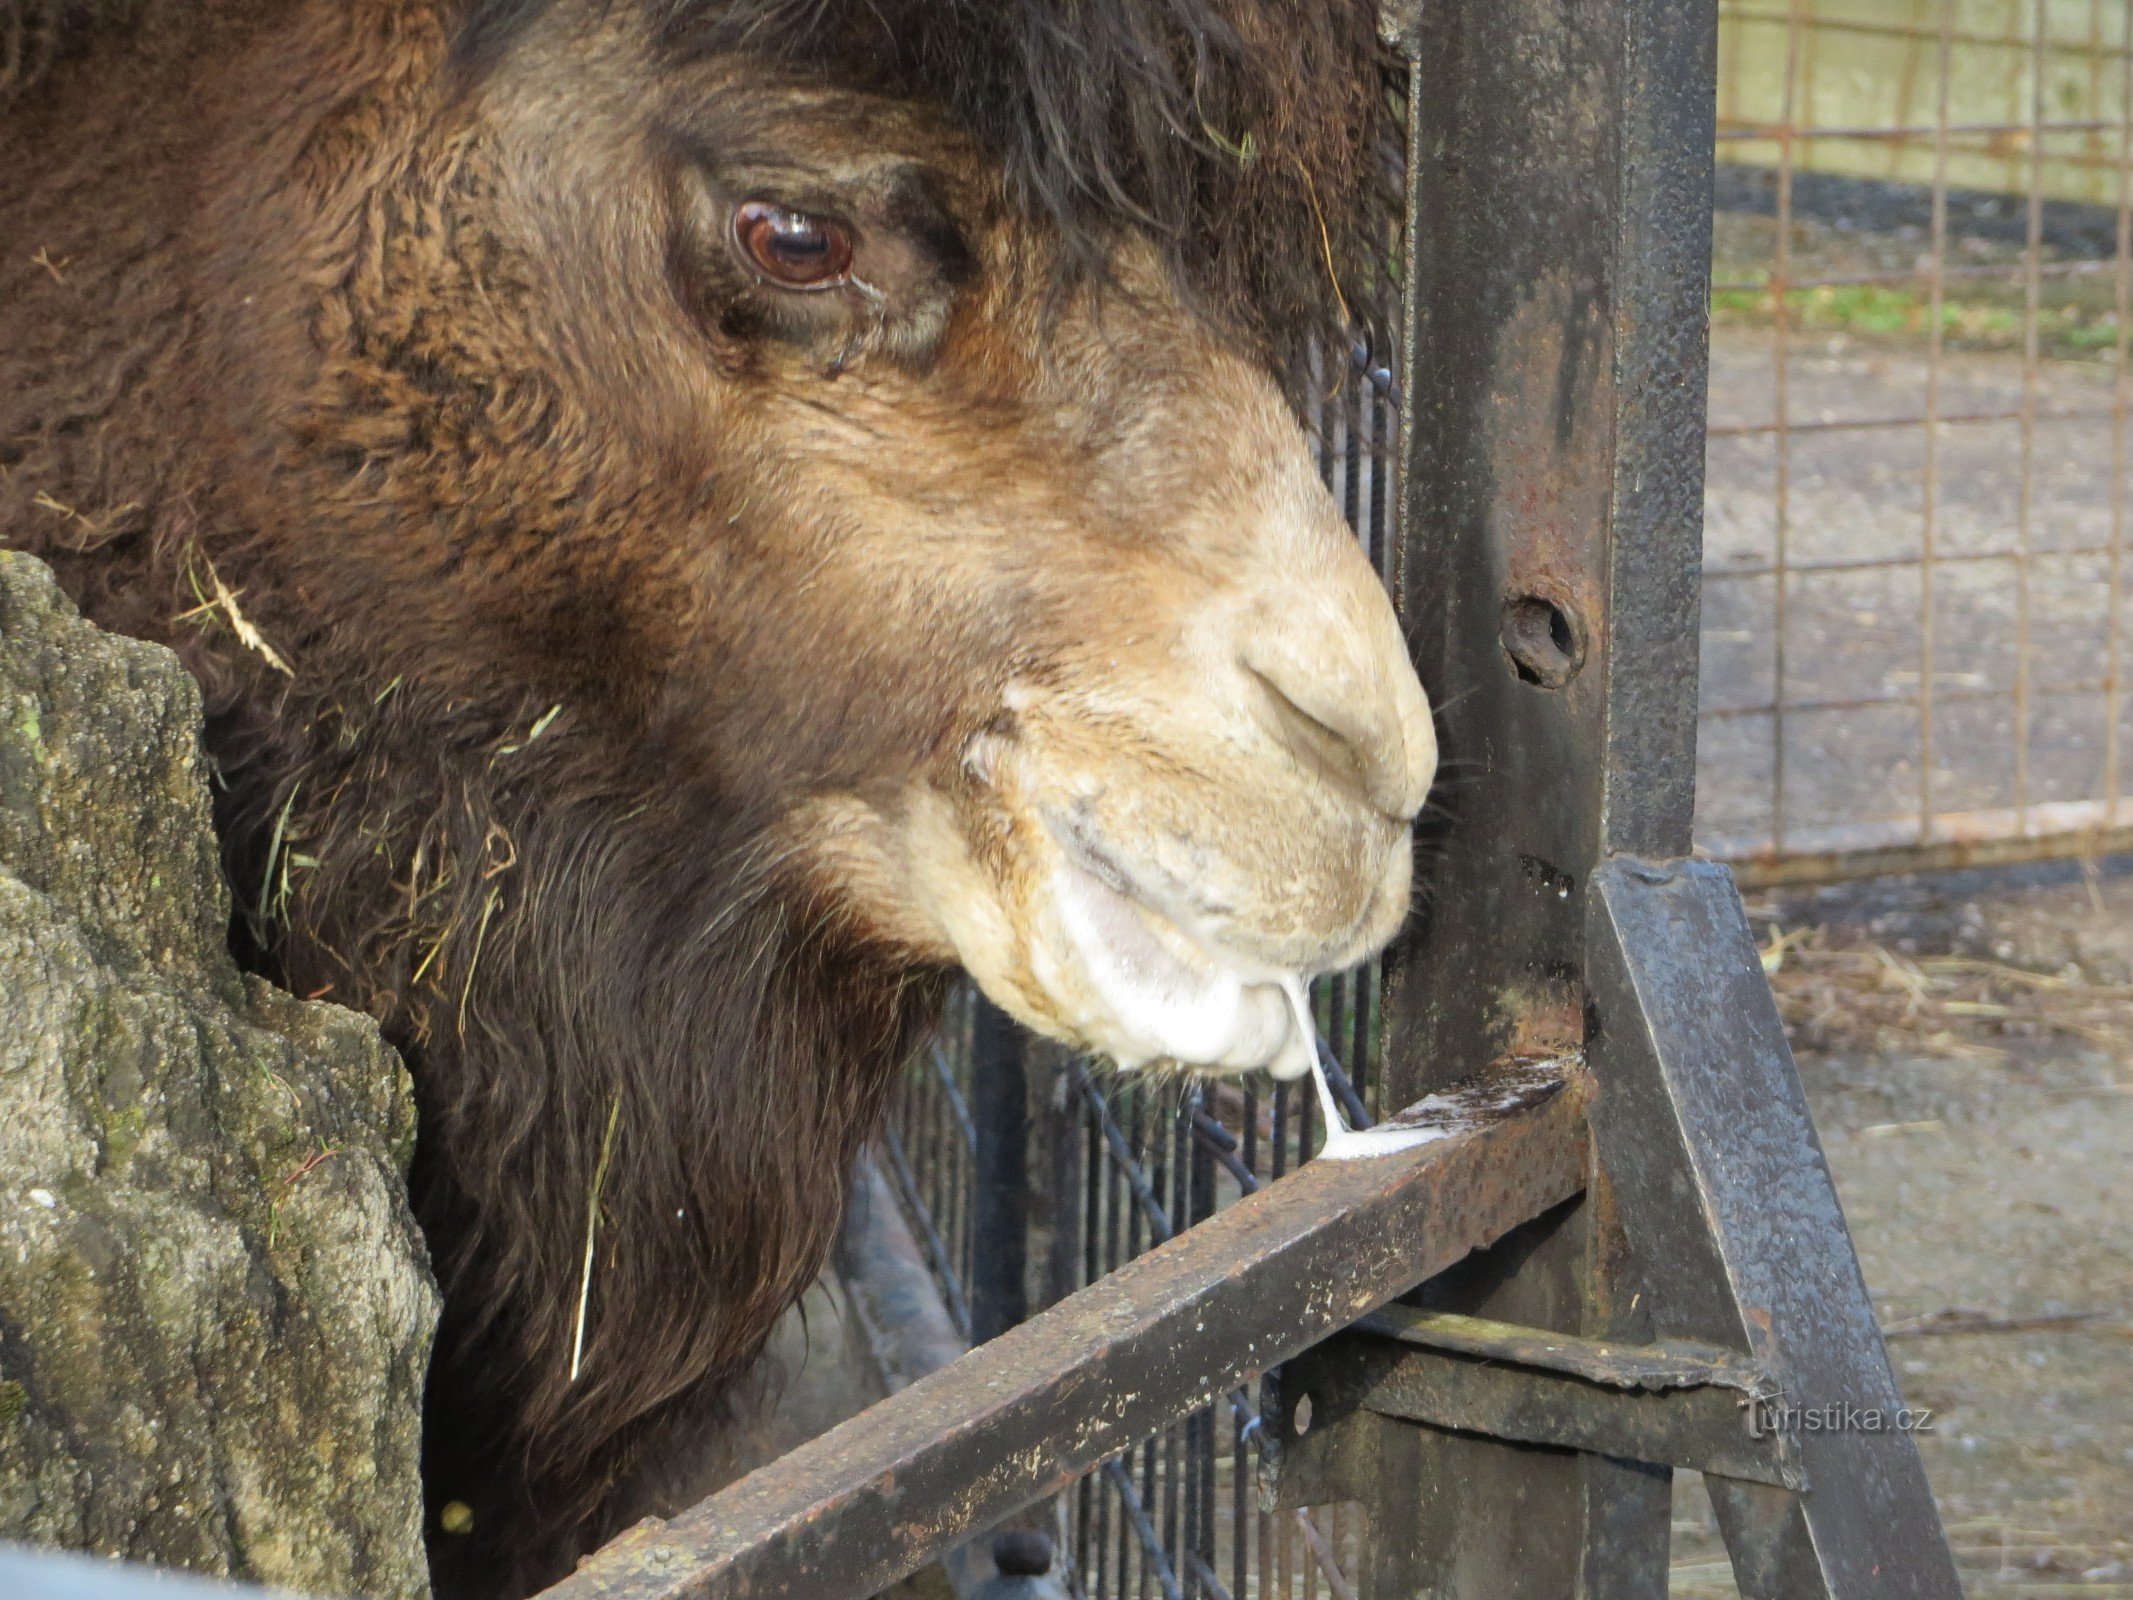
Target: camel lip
1162, 993
1084, 848
1088, 852
1158, 995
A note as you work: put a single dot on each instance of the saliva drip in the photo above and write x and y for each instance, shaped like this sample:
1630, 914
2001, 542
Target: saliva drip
1344, 1143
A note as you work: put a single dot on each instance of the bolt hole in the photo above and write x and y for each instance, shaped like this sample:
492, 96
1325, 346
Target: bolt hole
1543, 641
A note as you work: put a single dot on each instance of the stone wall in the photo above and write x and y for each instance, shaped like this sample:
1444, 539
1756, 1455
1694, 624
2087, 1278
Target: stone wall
215, 1308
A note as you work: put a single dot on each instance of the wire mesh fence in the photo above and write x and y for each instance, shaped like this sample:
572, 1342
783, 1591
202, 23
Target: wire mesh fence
1118, 1164
1914, 573
1129, 1163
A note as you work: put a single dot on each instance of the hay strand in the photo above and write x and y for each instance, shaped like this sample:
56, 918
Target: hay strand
592, 1223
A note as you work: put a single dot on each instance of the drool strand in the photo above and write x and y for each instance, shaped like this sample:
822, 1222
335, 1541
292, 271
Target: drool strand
1344, 1143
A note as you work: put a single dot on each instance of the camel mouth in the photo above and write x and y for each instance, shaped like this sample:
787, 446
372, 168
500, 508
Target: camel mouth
1153, 991
1082, 940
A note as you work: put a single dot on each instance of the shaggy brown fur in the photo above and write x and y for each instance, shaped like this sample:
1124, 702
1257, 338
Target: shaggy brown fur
531, 681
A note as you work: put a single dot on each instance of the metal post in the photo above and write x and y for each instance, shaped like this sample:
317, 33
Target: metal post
1559, 247
1559, 166
1740, 1238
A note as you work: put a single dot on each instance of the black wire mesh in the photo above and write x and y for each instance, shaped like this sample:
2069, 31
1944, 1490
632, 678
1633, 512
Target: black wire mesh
1132, 1161
1118, 1164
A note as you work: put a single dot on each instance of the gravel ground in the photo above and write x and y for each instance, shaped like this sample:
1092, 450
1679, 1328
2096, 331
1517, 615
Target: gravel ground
1984, 1155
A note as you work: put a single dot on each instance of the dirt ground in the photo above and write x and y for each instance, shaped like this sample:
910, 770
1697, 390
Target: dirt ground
1967, 1043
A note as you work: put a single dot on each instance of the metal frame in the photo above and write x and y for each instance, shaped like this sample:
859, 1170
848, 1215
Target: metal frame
1610, 1271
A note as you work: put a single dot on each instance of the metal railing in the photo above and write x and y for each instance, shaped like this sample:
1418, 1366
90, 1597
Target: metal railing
1914, 629
1149, 1348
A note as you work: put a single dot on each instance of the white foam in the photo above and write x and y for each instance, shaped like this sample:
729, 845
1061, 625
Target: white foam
1344, 1143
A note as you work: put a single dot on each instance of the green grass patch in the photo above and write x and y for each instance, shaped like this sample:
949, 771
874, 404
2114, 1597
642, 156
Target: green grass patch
1876, 311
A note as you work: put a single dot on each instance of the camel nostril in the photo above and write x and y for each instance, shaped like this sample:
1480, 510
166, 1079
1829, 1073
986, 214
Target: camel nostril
1359, 732
1335, 753
1335, 682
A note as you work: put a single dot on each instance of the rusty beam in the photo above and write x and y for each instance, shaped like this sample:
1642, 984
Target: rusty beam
1615, 1364
1738, 1236
1608, 1400
1024, 1416
1799, 869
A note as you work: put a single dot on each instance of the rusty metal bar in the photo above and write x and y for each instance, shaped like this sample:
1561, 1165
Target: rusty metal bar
1025, 1415
1888, 563
1929, 489
1884, 701
1715, 1415
1782, 429
1662, 1364
2025, 517
1860, 424
2080, 267
1561, 171
1738, 1236
1899, 30
2122, 312
1778, 132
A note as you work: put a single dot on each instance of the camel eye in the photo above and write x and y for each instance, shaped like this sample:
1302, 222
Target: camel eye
791, 248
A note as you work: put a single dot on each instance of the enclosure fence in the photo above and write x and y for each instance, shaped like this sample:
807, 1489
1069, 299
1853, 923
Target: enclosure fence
1125, 1166
1914, 631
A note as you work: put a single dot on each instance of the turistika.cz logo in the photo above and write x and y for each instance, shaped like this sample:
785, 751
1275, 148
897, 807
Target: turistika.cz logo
1774, 1416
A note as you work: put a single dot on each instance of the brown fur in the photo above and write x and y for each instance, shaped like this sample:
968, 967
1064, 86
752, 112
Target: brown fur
611, 651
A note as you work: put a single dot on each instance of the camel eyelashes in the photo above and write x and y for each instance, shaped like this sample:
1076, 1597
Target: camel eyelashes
793, 249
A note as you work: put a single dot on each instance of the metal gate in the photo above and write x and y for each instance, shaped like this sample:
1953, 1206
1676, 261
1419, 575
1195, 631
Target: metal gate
1215, 1368
1915, 608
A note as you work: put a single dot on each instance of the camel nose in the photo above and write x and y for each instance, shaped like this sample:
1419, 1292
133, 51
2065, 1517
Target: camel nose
1340, 690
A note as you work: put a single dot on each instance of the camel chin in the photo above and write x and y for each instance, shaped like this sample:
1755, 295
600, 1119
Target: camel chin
1142, 990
